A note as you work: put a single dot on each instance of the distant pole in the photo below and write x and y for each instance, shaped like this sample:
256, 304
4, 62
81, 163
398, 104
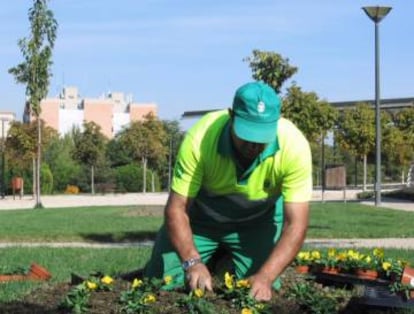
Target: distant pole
3, 159
169, 165
376, 14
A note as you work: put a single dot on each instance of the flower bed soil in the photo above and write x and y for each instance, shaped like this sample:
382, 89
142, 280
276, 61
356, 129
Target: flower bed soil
47, 299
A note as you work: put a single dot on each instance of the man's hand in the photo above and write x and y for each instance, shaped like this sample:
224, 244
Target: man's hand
261, 287
199, 277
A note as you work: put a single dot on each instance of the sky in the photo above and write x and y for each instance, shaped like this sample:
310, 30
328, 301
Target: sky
189, 55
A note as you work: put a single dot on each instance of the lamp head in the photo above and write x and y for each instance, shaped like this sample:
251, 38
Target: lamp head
376, 14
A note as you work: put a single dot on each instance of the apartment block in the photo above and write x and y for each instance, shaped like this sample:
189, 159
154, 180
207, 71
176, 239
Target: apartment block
111, 112
6, 118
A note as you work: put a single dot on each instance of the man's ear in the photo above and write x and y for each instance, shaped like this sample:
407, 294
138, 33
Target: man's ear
231, 113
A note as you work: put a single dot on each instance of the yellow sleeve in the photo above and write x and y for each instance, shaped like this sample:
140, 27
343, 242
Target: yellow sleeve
188, 172
296, 165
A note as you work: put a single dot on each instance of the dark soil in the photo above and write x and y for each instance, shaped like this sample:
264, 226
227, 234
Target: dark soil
48, 297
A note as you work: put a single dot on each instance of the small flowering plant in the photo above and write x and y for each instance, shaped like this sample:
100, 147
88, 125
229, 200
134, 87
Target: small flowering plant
238, 291
195, 302
78, 297
142, 295
393, 267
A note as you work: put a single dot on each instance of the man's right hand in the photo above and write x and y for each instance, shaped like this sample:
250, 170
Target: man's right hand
199, 277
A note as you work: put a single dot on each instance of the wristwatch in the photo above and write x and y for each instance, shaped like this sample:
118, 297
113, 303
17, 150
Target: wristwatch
190, 262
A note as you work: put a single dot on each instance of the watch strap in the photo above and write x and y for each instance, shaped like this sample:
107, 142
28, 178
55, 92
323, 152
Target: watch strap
191, 262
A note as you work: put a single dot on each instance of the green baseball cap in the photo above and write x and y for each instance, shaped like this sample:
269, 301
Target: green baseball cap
256, 108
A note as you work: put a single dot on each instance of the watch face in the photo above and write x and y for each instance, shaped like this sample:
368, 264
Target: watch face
191, 262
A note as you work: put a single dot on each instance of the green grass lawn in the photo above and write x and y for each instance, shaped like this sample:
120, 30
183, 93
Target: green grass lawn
353, 220
90, 224
62, 262
124, 224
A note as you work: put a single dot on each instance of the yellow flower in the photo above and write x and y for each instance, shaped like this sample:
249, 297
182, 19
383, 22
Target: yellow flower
137, 283
331, 252
341, 256
168, 279
378, 252
149, 298
246, 311
243, 283
386, 266
199, 293
228, 281
259, 306
91, 285
316, 255
107, 280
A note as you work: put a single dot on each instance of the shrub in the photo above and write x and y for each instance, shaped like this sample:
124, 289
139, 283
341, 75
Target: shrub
129, 179
365, 195
72, 189
46, 179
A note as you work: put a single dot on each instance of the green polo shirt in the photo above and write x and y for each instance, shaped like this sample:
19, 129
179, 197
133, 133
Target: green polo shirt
206, 171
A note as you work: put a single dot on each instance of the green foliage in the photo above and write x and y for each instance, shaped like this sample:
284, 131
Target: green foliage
195, 303
89, 144
118, 154
356, 129
271, 68
142, 296
46, 178
313, 299
312, 116
77, 299
238, 292
129, 177
58, 155
35, 70
146, 142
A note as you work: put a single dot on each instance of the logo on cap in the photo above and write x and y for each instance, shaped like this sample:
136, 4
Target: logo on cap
261, 107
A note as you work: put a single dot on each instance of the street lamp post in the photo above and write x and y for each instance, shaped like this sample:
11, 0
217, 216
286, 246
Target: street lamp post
376, 14
3, 166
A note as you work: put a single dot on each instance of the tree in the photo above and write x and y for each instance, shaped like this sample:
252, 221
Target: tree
147, 143
58, 155
174, 139
21, 145
89, 147
34, 71
399, 139
271, 68
356, 132
314, 117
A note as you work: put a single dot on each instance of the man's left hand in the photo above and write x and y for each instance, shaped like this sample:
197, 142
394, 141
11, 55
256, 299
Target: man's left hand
261, 287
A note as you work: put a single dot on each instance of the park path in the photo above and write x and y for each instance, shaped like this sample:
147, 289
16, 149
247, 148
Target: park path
398, 243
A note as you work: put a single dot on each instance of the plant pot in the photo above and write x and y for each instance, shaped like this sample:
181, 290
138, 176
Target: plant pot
7, 278
330, 270
407, 277
38, 272
368, 274
302, 269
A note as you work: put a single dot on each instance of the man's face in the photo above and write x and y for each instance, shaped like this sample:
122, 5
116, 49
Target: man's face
245, 149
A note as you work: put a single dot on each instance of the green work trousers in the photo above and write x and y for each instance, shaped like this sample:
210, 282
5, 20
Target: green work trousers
248, 245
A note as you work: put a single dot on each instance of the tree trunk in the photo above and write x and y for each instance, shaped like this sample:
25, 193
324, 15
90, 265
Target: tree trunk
34, 177
144, 174
152, 182
38, 203
364, 186
92, 180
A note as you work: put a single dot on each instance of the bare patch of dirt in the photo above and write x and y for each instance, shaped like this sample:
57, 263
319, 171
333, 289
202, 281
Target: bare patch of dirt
143, 210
